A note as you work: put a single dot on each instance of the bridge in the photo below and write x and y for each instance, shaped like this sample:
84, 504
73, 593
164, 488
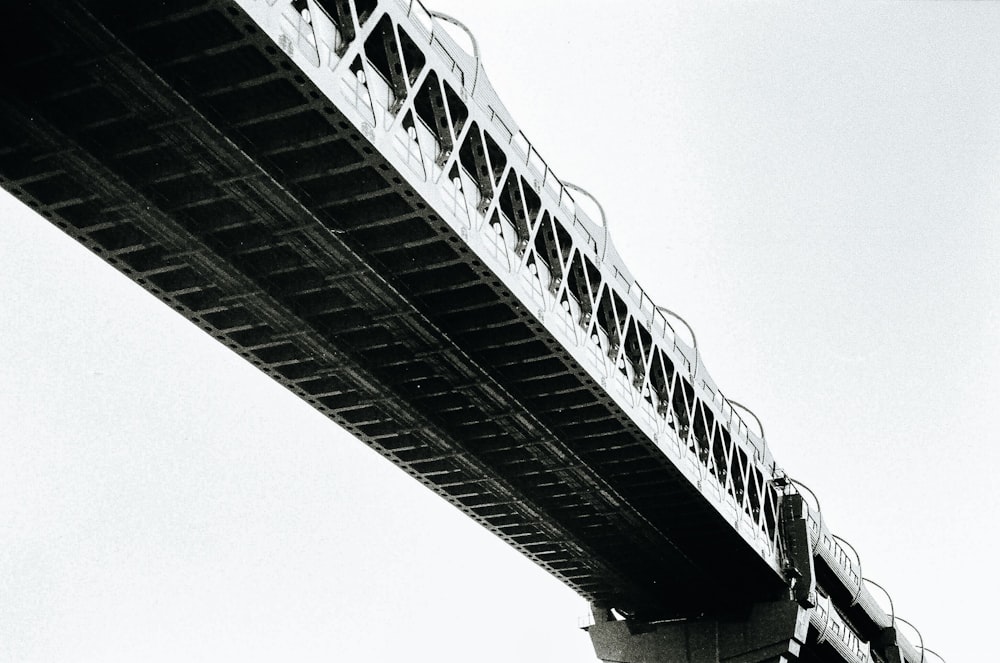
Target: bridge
334, 191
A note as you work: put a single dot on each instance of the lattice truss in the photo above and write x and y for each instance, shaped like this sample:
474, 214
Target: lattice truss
410, 85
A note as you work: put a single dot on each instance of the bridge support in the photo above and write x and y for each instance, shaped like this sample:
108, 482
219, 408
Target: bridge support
766, 633
888, 644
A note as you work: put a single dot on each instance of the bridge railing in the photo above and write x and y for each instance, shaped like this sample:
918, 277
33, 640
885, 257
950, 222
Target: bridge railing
834, 630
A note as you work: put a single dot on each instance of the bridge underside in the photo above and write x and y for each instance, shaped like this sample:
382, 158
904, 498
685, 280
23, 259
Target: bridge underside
179, 145
765, 632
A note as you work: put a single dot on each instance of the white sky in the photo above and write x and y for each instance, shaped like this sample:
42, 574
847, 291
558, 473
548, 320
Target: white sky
816, 188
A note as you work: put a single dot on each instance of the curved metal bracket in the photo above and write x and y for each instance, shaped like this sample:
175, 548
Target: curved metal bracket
892, 608
847, 543
600, 208
743, 407
694, 339
472, 37
826, 624
751, 413
919, 635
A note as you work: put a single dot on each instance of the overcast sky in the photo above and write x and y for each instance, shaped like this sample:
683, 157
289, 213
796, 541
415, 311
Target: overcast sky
815, 187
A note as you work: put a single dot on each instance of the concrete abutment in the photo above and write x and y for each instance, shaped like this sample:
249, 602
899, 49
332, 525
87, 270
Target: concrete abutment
764, 633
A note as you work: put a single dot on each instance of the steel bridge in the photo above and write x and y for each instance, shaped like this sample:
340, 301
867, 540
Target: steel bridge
333, 190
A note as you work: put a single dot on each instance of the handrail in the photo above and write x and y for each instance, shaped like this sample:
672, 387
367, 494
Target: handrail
919, 635
694, 339
857, 594
892, 608
763, 438
475, 44
826, 622
600, 208
751, 413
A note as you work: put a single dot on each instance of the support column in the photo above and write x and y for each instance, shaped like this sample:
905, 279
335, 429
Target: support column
765, 633
888, 644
